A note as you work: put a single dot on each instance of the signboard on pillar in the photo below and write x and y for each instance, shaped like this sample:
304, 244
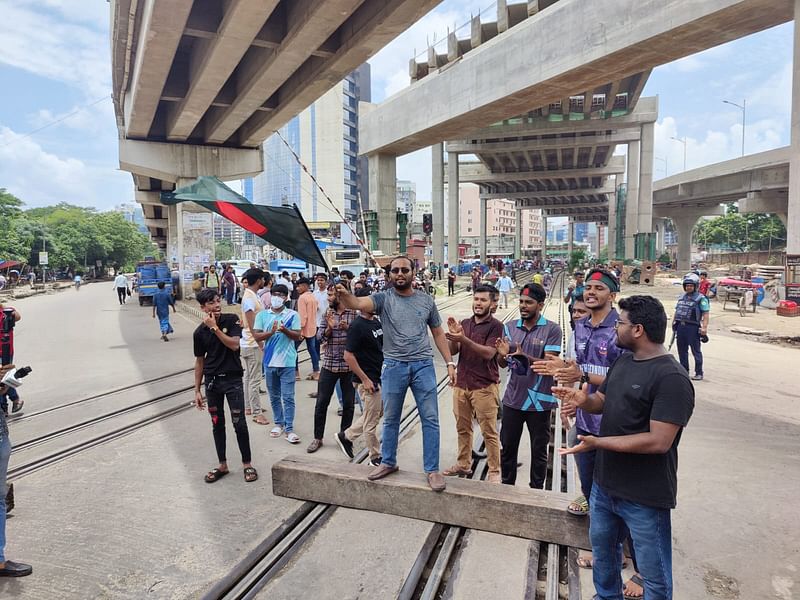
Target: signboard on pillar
792, 273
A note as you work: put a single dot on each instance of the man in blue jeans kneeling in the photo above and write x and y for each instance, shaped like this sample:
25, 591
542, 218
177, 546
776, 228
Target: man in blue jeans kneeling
646, 400
405, 316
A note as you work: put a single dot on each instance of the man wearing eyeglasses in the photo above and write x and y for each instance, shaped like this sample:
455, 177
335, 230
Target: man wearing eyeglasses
646, 400
406, 315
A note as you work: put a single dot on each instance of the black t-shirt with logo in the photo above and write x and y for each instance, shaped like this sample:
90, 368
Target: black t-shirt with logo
365, 341
218, 357
636, 392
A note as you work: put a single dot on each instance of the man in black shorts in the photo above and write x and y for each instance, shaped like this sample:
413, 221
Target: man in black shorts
216, 351
646, 400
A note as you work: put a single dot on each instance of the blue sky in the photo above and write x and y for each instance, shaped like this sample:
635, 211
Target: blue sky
54, 61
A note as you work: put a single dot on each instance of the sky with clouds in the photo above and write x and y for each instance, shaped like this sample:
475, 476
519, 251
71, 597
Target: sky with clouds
55, 68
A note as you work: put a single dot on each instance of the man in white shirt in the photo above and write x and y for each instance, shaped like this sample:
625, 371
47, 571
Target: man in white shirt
121, 285
250, 349
504, 286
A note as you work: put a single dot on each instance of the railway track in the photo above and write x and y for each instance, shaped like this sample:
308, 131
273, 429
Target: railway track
251, 575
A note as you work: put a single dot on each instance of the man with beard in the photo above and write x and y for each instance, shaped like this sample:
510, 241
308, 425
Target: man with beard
527, 400
477, 388
406, 315
334, 369
646, 400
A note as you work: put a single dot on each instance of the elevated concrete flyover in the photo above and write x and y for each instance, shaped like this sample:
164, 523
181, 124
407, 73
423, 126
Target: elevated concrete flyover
554, 58
199, 84
758, 182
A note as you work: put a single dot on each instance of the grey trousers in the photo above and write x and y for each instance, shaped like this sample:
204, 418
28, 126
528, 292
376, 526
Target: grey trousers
252, 357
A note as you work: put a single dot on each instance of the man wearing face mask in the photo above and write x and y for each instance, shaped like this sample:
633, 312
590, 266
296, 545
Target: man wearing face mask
279, 327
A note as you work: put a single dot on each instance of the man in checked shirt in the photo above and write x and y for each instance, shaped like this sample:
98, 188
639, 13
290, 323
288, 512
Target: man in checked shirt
334, 368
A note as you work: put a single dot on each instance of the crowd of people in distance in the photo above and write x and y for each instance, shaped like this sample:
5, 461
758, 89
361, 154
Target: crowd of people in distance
624, 399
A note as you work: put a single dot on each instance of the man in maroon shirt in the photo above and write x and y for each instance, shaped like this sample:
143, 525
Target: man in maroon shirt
477, 389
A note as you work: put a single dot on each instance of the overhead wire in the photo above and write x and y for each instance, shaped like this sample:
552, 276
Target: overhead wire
55, 122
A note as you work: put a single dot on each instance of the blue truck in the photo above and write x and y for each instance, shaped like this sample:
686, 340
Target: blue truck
148, 274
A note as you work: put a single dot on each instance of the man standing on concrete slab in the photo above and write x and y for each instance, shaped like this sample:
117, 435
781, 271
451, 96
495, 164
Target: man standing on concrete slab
8, 568
216, 351
690, 324
527, 400
307, 307
334, 369
477, 389
251, 350
162, 300
363, 353
504, 286
279, 327
646, 400
406, 315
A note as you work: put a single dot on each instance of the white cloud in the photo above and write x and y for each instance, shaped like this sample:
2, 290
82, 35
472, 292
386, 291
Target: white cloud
40, 42
41, 178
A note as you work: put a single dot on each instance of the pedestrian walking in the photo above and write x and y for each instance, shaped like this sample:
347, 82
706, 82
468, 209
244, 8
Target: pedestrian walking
121, 285
251, 349
646, 400
334, 369
504, 286
690, 324
216, 351
162, 300
527, 400
279, 329
212, 280
363, 353
406, 315
477, 389
574, 290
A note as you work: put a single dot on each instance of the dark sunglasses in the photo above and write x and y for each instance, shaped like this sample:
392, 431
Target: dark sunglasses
402, 270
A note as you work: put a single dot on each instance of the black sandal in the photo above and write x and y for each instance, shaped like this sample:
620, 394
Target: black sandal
215, 475
250, 474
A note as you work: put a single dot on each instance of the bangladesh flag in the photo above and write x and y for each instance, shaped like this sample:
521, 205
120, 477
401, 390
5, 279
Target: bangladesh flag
281, 226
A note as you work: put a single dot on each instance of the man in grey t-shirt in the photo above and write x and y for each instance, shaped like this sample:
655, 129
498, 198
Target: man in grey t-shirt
406, 315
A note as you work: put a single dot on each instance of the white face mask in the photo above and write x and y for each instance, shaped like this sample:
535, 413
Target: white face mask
276, 301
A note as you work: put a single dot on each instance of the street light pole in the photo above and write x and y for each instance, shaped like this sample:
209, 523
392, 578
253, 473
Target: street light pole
666, 168
743, 108
682, 141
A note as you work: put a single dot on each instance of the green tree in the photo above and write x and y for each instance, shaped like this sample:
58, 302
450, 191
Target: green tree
603, 256
740, 232
223, 250
577, 258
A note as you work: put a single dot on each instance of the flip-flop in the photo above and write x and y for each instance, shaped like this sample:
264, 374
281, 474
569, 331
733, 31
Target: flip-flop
263, 421
215, 475
276, 431
637, 579
250, 474
584, 563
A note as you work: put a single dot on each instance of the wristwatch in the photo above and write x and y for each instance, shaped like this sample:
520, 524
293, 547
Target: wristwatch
213, 328
451, 364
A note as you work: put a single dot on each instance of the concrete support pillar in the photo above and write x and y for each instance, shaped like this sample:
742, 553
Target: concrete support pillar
570, 239
632, 201
611, 238
684, 224
437, 203
596, 245
453, 221
659, 226
484, 228
793, 216
518, 236
383, 191
645, 205
544, 236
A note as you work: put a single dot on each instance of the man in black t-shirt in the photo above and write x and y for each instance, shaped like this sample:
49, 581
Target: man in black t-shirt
216, 351
363, 353
646, 400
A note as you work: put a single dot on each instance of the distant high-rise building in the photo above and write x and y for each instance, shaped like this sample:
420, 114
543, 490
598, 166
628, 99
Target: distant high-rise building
133, 213
325, 137
406, 195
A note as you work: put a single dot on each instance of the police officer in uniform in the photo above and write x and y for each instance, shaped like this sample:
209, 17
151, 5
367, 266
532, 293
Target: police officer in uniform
691, 324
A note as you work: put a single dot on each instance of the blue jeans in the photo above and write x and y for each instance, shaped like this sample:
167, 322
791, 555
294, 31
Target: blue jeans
313, 352
280, 384
396, 378
688, 336
651, 531
5, 454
